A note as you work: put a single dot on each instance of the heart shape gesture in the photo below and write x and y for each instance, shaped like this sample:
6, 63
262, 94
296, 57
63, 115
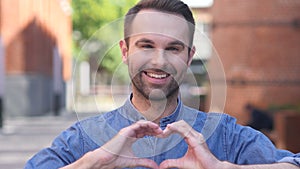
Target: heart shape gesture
198, 156
117, 153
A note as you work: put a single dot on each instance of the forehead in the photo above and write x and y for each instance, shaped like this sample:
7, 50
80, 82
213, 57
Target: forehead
159, 23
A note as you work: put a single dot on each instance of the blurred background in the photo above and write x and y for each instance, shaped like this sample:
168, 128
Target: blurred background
59, 62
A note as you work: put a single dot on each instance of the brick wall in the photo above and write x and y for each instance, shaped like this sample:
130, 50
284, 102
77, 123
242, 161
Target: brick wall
258, 43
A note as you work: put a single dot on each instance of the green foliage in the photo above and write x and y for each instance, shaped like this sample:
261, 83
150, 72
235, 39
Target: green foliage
89, 17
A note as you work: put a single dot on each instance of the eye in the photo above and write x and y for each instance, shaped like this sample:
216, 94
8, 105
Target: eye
175, 48
146, 46
172, 48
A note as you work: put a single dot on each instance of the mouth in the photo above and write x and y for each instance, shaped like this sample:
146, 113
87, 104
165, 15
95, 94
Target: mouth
156, 75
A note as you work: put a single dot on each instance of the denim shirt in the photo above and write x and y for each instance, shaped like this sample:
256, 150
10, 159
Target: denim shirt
227, 140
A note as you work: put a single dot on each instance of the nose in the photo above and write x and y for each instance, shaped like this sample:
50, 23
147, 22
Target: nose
159, 59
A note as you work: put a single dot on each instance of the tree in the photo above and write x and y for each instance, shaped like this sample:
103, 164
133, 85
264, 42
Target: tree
96, 32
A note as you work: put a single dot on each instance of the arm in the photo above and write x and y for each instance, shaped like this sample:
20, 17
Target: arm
65, 148
269, 166
117, 152
199, 156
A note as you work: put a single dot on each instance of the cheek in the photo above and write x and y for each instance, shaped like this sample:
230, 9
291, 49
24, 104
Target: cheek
139, 58
179, 62
135, 62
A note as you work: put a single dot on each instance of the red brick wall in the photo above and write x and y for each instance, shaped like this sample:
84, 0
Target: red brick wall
258, 42
30, 29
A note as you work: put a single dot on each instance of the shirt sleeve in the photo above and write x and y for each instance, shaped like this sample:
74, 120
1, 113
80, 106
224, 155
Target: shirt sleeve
245, 145
293, 160
65, 149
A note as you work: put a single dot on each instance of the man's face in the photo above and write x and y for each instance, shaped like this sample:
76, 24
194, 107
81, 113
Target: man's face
157, 54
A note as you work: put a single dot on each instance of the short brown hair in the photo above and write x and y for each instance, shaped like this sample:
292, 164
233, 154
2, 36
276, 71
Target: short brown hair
169, 6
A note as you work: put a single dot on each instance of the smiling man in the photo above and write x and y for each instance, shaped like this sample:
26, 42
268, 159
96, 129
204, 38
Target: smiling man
157, 56
153, 128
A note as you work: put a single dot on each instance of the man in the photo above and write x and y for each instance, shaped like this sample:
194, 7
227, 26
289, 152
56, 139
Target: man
153, 128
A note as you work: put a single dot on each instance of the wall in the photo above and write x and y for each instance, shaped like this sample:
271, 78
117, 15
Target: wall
258, 43
30, 30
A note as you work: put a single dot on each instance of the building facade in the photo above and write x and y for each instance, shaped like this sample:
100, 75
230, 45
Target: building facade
258, 42
36, 37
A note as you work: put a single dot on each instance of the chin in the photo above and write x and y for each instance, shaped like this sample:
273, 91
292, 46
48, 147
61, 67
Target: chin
159, 95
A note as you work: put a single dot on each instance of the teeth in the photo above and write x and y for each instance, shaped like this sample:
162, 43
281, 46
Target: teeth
157, 76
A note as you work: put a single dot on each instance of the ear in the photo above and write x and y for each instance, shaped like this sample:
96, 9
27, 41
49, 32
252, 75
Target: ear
191, 55
124, 51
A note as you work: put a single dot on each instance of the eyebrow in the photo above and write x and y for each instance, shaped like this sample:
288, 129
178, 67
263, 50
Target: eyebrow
177, 42
144, 40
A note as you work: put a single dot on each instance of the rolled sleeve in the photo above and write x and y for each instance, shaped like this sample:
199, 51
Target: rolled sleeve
293, 160
248, 146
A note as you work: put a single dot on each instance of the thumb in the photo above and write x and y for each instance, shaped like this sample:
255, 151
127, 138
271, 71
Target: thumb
142, 162
171, 163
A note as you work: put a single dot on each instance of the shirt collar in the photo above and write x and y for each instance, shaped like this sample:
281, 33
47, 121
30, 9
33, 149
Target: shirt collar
131, 113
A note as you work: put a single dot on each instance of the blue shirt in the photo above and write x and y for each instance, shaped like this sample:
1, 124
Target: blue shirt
227, 140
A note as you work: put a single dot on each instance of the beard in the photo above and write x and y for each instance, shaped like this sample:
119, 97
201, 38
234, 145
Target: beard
155, 92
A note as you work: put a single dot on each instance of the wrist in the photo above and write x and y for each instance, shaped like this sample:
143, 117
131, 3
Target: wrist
85, 162
228, 165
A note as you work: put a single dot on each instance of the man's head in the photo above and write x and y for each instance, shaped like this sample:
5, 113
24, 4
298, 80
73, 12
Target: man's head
158, 47
176, 7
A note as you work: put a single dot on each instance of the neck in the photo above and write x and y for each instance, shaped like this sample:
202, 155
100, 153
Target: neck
156, 109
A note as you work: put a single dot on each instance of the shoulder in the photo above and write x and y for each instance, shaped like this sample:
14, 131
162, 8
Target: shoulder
96, 120
207, 122
209, 117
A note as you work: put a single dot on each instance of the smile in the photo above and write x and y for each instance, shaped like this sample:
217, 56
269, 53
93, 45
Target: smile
156, 76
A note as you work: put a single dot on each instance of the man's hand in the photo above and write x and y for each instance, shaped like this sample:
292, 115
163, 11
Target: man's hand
198, 156
117, 153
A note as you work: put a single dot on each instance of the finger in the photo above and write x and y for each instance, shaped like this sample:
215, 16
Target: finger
180, 127
166, 132
192, 137
150, 127
171, 163
128, 135
141, 129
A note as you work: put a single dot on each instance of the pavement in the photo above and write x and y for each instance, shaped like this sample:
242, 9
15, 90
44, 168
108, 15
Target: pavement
22, 137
